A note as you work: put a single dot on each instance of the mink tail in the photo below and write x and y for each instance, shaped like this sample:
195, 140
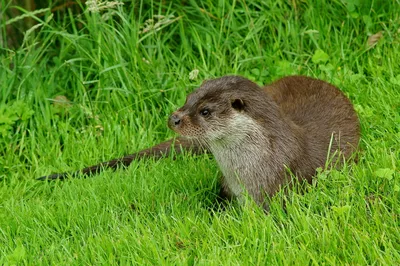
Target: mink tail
179, 145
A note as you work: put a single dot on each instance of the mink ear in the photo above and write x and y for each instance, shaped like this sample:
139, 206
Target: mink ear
237, 104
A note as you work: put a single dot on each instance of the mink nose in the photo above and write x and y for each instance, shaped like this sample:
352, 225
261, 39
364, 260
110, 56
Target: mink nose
174, 120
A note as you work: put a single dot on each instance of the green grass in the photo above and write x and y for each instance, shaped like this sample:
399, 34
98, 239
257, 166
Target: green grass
122, 84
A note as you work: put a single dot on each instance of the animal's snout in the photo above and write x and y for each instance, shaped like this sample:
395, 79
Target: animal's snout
174, 120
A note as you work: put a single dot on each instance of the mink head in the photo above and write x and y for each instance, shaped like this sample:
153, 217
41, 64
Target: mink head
220, 108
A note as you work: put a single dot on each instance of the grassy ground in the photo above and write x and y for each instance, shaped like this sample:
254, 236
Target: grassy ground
85, 88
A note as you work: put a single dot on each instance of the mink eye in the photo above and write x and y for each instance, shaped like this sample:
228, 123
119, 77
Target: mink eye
205, 112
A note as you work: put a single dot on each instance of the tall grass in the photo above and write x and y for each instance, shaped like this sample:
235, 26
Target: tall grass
87, 86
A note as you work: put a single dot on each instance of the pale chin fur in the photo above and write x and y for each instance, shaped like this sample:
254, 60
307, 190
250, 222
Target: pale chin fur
229, 135
239, 148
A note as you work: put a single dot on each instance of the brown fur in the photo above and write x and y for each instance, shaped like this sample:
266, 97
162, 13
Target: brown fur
288, 124
257, 133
